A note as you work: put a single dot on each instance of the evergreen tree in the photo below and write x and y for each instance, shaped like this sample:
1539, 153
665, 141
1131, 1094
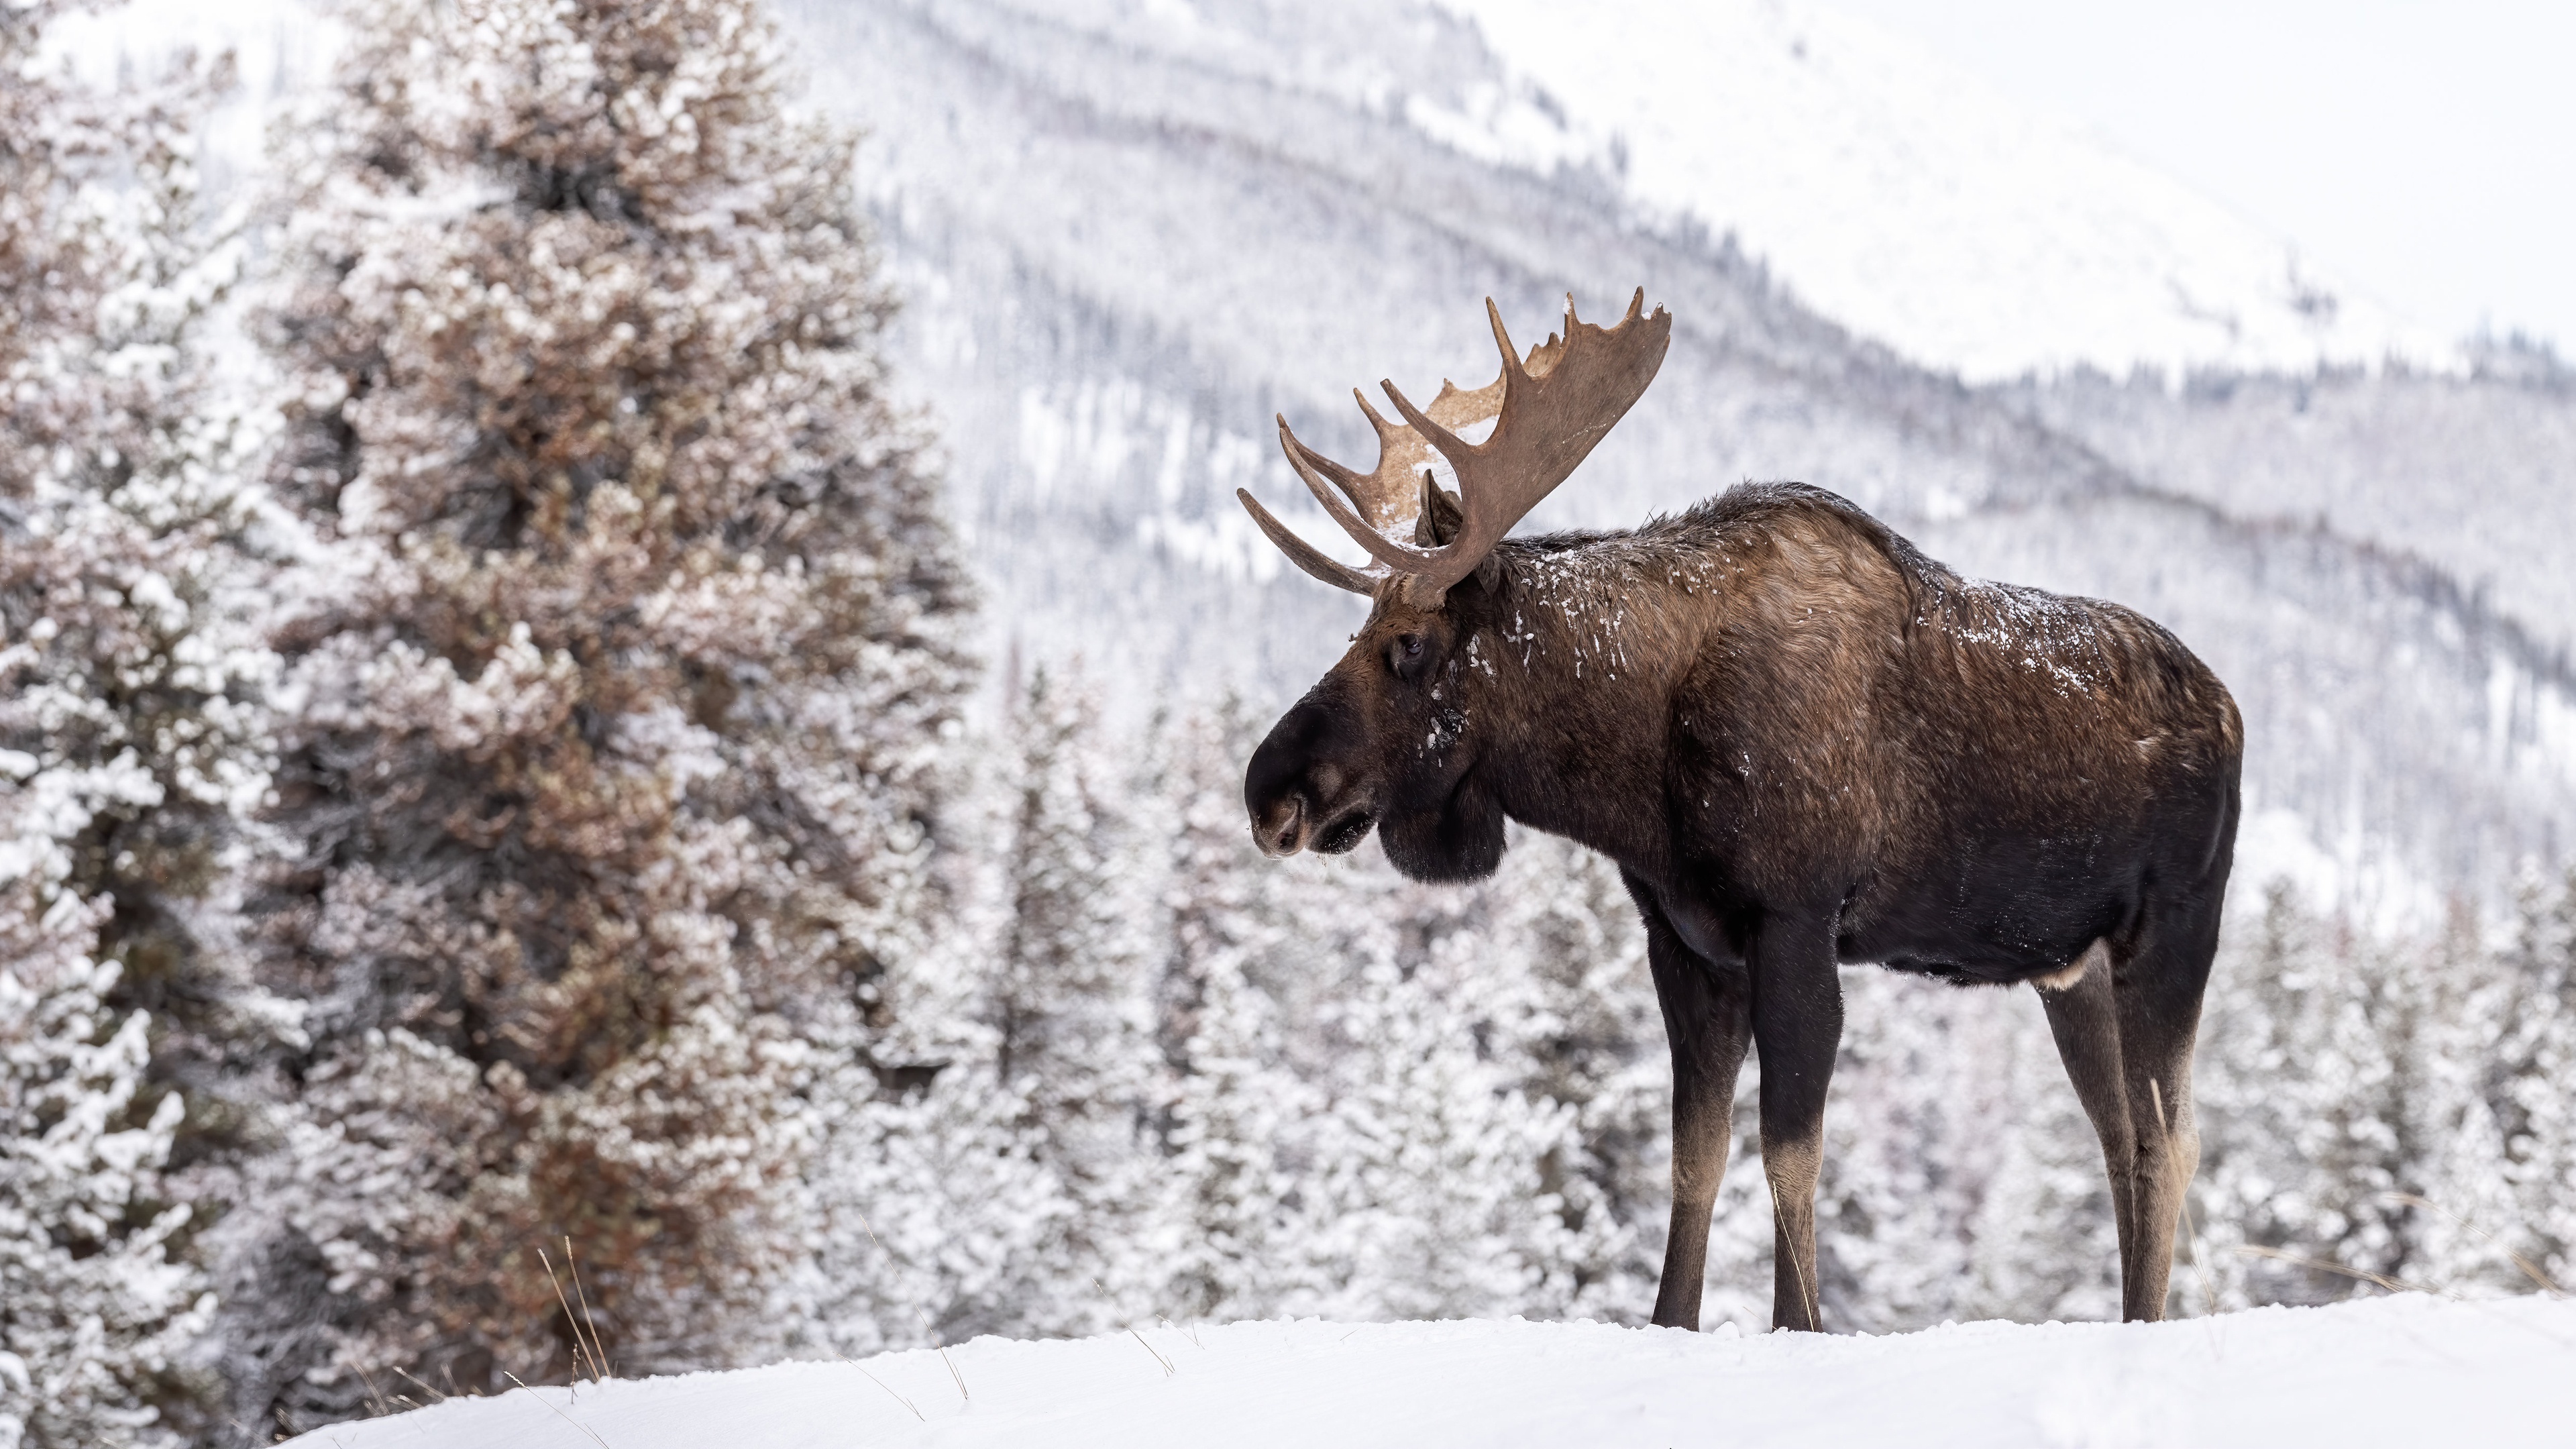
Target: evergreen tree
2532, 1063
1229, 1181
1070, 1007
934, 1210
97, 1313
127, 744
2045, 1243
1918, 1111
2458, 1193
614, 697
2366, 1124
1565, 969
2301, 1105
1425, 1199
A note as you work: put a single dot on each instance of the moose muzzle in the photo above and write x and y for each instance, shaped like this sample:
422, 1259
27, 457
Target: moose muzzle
1300, 789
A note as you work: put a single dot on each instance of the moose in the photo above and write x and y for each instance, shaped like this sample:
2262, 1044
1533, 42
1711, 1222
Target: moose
1802, 742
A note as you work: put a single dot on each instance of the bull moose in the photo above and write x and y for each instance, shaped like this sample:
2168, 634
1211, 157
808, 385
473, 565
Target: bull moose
1803, 743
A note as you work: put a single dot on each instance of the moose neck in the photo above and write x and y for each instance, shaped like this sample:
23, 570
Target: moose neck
1566, 673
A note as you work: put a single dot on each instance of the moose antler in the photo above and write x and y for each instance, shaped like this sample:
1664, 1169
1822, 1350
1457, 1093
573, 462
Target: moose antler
1395, 497
1553, 408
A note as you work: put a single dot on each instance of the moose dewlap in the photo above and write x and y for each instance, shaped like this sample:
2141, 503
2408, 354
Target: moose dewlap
1803, 742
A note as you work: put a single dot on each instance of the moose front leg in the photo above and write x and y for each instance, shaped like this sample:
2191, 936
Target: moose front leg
1707, 1023
1797, 1028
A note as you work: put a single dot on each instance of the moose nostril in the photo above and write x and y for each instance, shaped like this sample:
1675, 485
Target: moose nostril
1281, 831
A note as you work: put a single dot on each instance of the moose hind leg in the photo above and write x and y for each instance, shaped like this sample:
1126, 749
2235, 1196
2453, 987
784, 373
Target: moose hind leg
2084, 1017
2157, 992
1707, 1023
2124, 1028
1797, 1027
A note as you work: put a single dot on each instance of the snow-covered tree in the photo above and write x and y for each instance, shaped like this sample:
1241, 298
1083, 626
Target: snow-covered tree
127, 743
2534, 1057
615, 690
2300, 1095
1229, 1184
1001, 1175
1562, 965
2384, 1111
1426, 1197
97, 1312
2043, 1242
1071, 1006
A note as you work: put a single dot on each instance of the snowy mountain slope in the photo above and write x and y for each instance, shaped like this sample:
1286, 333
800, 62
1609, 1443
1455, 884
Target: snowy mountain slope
1900, 195
1129, 232
1124, 256
2476, 475
2400, 1372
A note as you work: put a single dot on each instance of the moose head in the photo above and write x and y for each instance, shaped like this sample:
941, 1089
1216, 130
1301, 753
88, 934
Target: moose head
1379, 741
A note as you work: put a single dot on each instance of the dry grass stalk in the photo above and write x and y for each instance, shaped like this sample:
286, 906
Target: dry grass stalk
933, 1335
598, 1350
880, 1383
581, 1358
559, 1413
2393, 1285
2529, 1268
2190, 1233
434, 1394
376, 1404
1169, 1368
926, 1330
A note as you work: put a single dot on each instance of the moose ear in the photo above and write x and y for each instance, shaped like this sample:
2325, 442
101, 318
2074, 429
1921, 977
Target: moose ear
1440, 519
1489, 573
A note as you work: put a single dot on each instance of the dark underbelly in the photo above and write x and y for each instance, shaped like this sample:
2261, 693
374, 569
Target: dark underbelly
2016, 912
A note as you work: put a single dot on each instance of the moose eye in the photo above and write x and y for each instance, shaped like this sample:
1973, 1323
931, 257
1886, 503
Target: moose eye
1404, 654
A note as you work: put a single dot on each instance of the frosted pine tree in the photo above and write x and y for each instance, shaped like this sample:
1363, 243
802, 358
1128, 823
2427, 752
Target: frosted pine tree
127, 743
934, 1210
999, 1176
2532, 1062
1585, 1033
2458, 1191
1425, 1198
2272, 1180
613, 704
1071, 1011
1228, 1184
2249, 1159
101, 1312
2326, 1107
2045, 1245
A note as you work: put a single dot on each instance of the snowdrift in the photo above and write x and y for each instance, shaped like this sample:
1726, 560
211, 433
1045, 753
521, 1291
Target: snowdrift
2405, 1370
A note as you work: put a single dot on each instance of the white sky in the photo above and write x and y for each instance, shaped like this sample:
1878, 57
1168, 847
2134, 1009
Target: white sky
2424, 152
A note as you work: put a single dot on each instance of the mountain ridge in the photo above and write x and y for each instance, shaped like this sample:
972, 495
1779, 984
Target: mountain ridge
1114, 294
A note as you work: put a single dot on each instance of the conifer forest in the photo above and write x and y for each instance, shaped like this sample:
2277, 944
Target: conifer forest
624, 689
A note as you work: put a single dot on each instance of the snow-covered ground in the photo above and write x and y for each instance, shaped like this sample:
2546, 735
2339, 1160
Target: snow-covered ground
2409, 1370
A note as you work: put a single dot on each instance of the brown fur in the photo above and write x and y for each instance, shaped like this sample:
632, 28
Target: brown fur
1804, 742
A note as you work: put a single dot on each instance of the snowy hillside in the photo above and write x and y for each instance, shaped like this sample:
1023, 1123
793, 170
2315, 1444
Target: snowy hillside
2399, 1372
1129, 232
1130, 238
1901, 196
2476, 475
